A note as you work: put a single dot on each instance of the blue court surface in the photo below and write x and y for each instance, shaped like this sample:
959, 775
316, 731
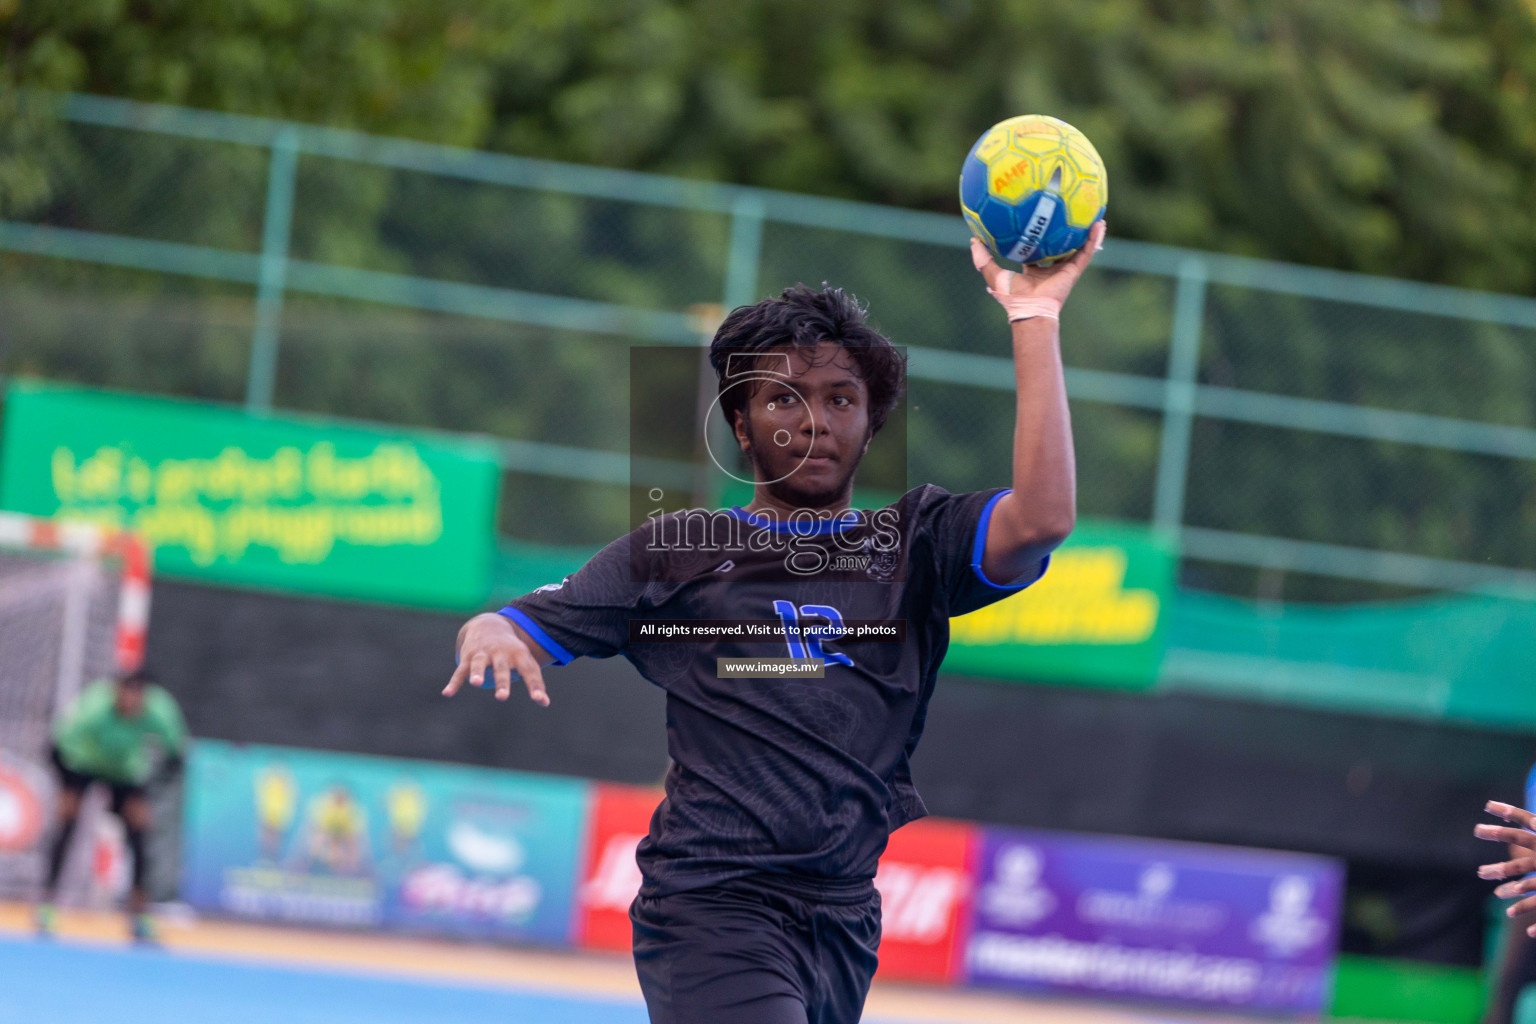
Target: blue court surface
66, 983
72, 982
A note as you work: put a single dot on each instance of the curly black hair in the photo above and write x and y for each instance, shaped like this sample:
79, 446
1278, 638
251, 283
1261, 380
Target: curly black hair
804, 317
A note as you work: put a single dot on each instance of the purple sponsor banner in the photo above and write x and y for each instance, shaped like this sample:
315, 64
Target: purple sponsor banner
1209, 925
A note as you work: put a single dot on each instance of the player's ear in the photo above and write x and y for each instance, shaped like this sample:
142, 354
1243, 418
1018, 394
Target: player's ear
740, 430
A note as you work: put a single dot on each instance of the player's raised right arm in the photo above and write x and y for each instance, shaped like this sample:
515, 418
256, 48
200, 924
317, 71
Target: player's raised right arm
493, 641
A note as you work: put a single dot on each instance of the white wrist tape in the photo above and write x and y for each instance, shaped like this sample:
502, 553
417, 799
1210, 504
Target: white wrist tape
1022, 307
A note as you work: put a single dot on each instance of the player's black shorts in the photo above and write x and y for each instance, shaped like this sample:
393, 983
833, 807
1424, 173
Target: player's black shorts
742, 952
77, 782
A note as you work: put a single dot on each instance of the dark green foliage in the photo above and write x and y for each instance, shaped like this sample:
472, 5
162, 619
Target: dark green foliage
1390, 136
1386, 136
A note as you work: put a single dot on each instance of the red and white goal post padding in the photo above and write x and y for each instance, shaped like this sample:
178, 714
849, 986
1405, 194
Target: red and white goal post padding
88, 540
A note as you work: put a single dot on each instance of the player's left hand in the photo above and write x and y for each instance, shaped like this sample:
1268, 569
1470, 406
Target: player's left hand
1053, 283
1523, 836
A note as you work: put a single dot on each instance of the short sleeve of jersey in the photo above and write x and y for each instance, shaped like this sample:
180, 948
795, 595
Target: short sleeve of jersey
585, 615
92, 705
956, 527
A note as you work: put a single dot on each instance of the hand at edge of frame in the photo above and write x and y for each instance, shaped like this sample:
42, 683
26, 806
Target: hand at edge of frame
1523, 835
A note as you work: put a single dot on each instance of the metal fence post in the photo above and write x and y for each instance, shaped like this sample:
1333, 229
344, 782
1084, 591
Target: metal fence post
276, 227
746, 252
1179, 397
742, 262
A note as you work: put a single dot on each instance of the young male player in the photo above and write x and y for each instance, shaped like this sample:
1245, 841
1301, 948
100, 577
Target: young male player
106, 736
757, 904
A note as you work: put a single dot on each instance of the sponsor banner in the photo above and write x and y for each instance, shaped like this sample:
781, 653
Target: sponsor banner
923, 881
1194, 924
925, 887
1095, 617
26, 807
621, 817
25, 789
298, 503
341, 839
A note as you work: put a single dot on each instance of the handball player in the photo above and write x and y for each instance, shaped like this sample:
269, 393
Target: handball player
757, 903
106, 736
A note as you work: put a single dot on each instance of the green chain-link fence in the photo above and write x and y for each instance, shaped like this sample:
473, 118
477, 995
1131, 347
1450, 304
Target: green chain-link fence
1304, 433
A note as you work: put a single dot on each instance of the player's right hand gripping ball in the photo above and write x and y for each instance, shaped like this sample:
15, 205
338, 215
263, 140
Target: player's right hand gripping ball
1031, 188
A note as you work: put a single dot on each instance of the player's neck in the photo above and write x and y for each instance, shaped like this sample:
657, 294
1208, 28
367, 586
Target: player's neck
764, 501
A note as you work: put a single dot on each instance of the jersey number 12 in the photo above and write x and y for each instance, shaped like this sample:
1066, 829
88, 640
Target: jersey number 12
809, 646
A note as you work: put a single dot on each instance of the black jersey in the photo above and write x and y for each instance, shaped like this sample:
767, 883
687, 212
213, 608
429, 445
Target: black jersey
804, 779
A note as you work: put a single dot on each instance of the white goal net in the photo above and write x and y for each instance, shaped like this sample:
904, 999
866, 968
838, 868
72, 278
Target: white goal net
73, 606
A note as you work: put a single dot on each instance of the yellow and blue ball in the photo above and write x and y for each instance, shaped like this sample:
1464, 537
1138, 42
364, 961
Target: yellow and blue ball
1031, 188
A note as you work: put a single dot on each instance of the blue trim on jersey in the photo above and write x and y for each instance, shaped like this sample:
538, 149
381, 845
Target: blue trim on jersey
517, 615
846, 519
979, 548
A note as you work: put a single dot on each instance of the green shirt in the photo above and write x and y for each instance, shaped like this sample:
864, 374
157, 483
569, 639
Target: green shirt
94, 739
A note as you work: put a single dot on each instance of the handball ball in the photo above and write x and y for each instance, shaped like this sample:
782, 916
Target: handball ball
1031, 188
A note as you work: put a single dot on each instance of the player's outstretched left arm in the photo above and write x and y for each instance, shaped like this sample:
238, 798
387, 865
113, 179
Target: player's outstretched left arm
1029, 523
1520, 835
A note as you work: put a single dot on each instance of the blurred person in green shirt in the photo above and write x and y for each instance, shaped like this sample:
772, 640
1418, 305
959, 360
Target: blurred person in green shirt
107, 735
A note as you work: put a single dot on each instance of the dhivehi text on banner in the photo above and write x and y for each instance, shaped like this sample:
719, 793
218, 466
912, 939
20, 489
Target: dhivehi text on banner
308, 836
312, 505
1095, 617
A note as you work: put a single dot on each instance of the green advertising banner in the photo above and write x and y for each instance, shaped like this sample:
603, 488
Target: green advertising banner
301, 504
1095, 618
1460, 657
